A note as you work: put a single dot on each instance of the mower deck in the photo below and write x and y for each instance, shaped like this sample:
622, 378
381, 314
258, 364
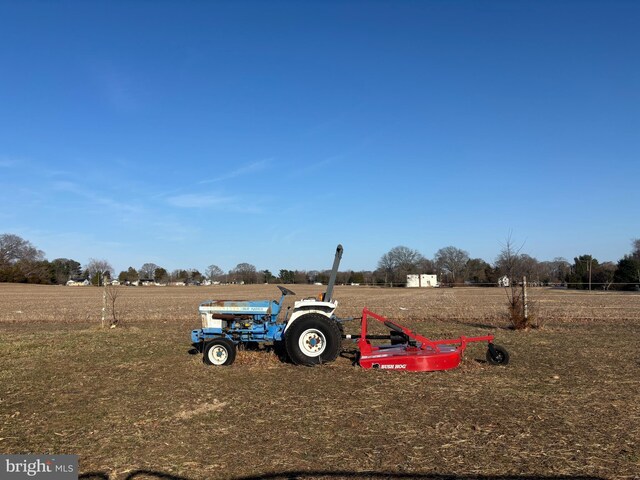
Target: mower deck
412, 358
418, 353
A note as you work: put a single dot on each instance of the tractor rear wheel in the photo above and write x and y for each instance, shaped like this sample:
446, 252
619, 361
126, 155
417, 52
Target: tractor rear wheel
313, 339
219, 352
280, 349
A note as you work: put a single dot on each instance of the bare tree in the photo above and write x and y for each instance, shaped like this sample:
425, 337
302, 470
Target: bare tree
245, 272
452, 262
312, 275
511, 263
426, 266
635, 253
214, 272
405, 259
605, 274
95, 270
14, 248
386, 265
561, 268
148, 271
508, 261
529, 267
398, 262
114, 307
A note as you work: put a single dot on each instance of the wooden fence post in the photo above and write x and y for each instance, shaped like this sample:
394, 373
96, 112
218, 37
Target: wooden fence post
525, 307
104, 301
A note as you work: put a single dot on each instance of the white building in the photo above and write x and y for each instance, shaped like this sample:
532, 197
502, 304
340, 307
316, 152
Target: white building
422, 280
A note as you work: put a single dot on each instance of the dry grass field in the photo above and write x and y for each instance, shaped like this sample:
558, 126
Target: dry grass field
134, 404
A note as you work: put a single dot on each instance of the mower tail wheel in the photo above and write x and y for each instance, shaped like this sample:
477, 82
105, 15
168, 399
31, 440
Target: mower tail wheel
219, 352
313, 339
497, 355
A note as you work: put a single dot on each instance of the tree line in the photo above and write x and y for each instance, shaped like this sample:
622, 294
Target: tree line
454, 266
22, 262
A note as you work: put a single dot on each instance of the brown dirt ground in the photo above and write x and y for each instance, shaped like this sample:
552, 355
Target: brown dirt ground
133, 403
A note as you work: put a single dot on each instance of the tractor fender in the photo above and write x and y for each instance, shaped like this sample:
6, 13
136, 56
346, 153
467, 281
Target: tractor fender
305, 307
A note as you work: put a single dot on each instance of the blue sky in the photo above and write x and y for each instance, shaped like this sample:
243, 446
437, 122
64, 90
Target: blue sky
196, 133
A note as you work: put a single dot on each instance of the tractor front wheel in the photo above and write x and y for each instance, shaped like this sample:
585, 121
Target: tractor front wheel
313, 339
219, 352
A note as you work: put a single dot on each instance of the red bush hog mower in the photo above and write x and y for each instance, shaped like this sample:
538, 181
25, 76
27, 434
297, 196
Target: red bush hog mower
413, 352
311, 334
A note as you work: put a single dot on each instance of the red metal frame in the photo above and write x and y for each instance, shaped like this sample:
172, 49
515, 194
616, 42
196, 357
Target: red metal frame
426, 355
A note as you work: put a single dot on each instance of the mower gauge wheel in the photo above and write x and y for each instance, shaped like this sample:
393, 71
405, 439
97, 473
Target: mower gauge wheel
219, 352
497, 355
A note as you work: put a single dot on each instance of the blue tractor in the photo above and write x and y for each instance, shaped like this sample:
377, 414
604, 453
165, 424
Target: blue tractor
308, 334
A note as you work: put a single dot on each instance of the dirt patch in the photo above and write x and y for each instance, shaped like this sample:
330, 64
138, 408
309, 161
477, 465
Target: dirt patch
214, 405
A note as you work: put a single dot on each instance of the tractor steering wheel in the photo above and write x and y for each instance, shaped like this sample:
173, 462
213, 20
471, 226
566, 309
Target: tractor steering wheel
286, 291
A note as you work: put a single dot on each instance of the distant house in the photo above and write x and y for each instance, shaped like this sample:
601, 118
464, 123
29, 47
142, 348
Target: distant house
78, 282
503, 281
422, 280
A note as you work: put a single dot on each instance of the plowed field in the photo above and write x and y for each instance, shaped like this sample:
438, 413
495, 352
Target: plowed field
134, 403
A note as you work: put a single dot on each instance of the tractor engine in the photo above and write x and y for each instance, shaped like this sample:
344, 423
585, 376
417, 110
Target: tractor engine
224, 316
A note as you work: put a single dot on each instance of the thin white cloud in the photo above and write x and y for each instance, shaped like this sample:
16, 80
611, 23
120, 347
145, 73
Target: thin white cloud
314, 167
116, 86
35, 168
234, 204
65, 186
244, 170
344, 156
172, 230
192, 200
115, 205
8, 162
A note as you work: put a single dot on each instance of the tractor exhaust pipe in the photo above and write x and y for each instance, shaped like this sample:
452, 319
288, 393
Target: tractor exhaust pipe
334, 273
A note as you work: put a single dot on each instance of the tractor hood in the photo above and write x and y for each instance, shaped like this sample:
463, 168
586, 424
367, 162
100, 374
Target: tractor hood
239, 307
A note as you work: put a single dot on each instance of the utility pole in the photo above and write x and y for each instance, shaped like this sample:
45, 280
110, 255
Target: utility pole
589, 262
